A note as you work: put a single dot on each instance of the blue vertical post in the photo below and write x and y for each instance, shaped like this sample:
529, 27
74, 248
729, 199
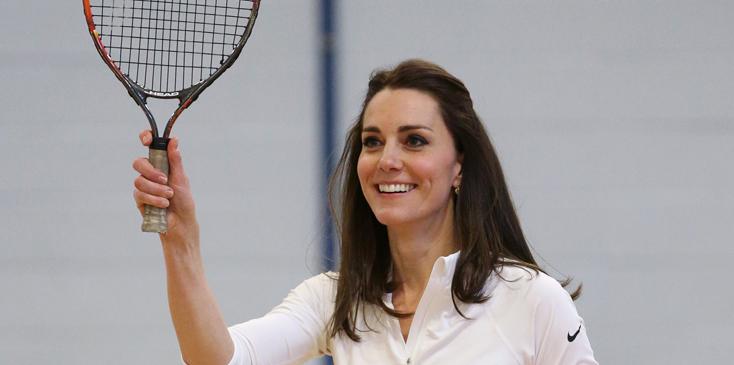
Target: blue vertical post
328, 120
328, 94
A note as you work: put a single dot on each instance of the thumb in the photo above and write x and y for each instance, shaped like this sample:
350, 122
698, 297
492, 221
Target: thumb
175, 165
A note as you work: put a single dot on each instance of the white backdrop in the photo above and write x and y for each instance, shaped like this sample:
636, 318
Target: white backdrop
614, 122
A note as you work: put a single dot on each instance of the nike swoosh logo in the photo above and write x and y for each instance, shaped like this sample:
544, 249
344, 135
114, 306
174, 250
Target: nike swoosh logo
571, 338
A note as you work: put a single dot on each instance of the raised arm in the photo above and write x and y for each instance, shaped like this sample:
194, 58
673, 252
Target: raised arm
201, 331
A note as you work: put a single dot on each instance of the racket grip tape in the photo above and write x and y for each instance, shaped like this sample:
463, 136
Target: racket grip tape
154, 218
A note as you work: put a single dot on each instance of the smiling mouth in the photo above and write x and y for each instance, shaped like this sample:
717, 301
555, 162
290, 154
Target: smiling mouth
395, 188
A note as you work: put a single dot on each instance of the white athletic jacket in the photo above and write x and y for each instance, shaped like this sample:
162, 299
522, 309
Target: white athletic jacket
529, 319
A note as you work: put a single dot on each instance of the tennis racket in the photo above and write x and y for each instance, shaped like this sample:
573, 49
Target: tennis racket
168, 49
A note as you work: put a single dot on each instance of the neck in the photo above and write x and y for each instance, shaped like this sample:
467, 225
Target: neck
415, 248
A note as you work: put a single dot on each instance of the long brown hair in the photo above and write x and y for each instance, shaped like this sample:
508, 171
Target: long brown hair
485, 223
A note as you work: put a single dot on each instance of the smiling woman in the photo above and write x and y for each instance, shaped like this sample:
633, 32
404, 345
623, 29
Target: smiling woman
418, 133
434, 265
408, 164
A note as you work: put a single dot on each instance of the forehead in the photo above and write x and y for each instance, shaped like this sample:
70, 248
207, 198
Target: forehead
391, 108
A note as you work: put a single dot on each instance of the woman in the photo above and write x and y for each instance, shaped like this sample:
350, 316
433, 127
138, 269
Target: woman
434, 265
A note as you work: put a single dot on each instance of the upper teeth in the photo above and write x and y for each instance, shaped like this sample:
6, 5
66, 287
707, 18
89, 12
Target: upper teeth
396, 188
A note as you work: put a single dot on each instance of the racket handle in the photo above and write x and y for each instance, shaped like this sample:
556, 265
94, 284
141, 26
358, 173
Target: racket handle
154, 218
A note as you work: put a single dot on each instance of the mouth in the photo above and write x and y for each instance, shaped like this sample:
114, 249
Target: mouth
395, 188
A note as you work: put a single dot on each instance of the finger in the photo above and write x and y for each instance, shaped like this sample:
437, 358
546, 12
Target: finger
146, 137
142, 199
153, 188
175, 163
145, 168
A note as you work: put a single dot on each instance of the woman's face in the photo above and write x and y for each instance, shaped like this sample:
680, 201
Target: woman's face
408, 164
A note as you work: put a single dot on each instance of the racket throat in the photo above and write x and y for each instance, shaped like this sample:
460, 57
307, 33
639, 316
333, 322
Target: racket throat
163, 107
182, 105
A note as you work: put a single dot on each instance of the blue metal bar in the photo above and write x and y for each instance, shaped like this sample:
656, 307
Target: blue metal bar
328, 120
328, 126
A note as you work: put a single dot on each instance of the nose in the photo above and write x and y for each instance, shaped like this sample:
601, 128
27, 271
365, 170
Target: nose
390, 160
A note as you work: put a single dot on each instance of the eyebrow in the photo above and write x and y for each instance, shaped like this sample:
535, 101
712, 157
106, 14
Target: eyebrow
402, 128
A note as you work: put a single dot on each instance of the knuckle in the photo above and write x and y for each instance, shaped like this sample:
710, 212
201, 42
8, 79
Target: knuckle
165, 192
139, 182
138, 197
138, 164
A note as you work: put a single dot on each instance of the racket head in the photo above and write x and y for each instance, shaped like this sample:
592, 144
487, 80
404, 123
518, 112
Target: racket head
169, 48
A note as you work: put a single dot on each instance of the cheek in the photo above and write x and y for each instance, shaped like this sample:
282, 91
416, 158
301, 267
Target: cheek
437, 172
364, 169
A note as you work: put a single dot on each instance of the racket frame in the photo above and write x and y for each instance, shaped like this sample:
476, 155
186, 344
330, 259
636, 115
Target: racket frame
185, 96
154, 219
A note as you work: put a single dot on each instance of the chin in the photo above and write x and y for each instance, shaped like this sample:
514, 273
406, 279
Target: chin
392, 218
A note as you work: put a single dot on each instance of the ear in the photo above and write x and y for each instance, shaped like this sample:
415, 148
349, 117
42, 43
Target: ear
460, 168
457, 181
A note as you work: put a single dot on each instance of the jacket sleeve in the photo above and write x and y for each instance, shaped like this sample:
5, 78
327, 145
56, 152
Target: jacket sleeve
559, 334
292, 333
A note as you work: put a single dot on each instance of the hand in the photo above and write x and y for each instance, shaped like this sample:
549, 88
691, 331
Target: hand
173, 193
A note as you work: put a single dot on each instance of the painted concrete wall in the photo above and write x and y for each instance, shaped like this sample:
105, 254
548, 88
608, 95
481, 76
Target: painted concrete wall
614, 122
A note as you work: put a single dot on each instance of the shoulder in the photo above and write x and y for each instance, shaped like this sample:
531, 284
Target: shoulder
317, 291
325, 281
521, 294
525, 283
538, 316
311, 303
299, 323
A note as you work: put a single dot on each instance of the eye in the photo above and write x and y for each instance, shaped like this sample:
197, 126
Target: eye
370, 142
415, 140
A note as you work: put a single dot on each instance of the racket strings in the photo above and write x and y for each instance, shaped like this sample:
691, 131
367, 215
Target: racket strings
170, 45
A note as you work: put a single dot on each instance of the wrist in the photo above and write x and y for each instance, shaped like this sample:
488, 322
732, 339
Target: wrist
181, 245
